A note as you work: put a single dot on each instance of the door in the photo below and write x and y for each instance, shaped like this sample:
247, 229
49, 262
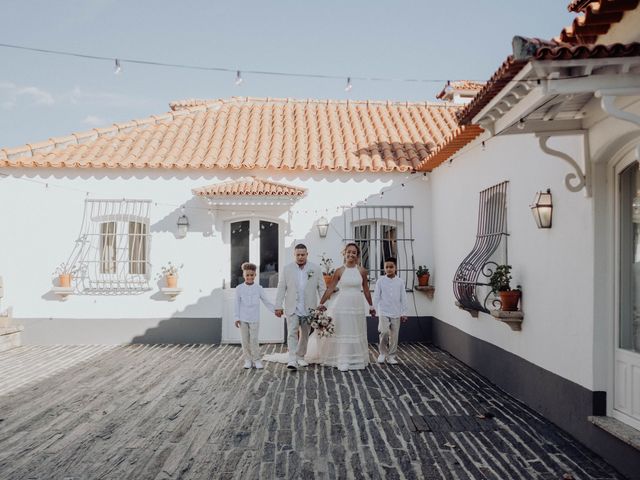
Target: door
626, 389
257, 241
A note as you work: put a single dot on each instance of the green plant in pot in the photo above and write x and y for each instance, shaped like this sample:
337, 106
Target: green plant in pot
500, 283
423, 275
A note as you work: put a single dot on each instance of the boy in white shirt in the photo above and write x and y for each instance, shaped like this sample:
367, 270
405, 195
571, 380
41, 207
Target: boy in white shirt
390, 301
247, 314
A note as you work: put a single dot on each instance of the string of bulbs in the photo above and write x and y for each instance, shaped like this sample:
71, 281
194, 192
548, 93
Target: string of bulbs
119, 61
415, 176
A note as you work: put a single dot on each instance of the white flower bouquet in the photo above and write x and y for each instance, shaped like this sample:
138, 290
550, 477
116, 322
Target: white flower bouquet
319, 321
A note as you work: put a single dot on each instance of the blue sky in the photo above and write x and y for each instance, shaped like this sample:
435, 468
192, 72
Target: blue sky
45, 95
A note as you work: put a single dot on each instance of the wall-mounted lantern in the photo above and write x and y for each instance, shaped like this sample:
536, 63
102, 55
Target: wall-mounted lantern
323, 226
183, 226
542, 209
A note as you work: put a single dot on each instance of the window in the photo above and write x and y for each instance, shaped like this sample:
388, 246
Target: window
470, 292
383, 232
112, 251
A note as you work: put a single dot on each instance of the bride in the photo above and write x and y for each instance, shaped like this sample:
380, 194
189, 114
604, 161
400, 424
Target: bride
348, 348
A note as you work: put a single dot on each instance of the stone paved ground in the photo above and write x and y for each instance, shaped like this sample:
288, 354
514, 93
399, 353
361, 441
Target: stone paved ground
162, 412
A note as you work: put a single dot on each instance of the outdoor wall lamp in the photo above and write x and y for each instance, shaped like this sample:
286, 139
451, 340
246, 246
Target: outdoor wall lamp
542, 209
183, 226
323, 226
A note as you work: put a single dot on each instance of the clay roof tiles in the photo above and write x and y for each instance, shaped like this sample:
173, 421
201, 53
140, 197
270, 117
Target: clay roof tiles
595, 19
248, 133
249, 186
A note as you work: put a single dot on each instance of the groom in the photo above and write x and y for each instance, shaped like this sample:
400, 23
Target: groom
300, 287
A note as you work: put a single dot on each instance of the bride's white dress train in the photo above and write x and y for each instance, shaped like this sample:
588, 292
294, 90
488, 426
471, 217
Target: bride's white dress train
347, 349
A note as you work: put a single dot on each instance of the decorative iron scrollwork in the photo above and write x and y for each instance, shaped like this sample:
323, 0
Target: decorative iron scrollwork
492, 227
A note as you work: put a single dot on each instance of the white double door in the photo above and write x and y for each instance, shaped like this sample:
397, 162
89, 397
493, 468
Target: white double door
626, 375
256, 240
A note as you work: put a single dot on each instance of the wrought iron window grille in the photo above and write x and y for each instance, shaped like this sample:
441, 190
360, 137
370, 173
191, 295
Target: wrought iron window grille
382, 232
471, 280
111, 254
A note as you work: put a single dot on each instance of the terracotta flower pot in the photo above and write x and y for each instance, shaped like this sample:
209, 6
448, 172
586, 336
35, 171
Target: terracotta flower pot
327, 278
172, 281
65, 280
509, 300
423, 280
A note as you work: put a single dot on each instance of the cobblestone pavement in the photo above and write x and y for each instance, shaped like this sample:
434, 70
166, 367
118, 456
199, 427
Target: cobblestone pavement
163, 412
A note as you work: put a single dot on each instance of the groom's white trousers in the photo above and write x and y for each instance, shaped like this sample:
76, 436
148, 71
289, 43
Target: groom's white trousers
297, 349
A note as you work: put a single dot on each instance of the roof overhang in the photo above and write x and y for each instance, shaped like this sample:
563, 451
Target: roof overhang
556, 95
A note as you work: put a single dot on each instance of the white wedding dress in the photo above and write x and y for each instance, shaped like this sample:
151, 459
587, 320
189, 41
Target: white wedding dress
347, 349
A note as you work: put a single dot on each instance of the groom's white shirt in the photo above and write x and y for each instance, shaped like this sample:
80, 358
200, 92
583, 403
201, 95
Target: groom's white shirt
288, 287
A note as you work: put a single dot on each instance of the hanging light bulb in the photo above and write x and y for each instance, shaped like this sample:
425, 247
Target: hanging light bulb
448, 88
239, 79
118, 68
483, 146
349, 85
521, 124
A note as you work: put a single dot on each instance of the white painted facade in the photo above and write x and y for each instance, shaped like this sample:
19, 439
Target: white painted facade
42, 228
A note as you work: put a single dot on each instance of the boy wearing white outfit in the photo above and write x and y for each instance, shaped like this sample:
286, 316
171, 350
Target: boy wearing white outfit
390, 301
247, 314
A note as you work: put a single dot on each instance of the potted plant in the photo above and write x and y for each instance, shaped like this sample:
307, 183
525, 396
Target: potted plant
170, 274
500, 283
326, 263
423, 275
65, 273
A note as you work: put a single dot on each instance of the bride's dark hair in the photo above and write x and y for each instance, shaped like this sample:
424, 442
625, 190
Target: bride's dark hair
351, 244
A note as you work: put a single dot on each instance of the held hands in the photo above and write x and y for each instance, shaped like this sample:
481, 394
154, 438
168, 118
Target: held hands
372, 311
278, 312
237, 323
403, 318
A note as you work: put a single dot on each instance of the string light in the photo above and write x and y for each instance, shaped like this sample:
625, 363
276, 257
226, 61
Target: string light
223, 69
483, 146
238, 78
349, 85
118, 68
521, 124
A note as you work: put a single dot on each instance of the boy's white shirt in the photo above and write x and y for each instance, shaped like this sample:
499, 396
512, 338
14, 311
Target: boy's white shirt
390, 297
247, 304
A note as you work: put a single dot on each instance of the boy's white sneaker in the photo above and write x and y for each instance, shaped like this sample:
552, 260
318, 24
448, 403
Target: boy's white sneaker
392, 361
302, 362
381, 358
247, 364
293, 365
258, 364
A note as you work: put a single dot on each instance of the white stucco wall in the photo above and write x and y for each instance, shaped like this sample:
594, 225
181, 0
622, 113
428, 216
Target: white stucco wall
553, 266
40, 226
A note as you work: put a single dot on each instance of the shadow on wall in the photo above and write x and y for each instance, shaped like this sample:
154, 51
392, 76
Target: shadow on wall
185, 328
196, 211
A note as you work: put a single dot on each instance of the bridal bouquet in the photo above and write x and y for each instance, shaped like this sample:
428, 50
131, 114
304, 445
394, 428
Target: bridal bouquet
319, 321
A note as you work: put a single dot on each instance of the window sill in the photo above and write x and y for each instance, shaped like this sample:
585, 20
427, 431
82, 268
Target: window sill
429, 290
172, 293
62, 292
618, 429
513, 319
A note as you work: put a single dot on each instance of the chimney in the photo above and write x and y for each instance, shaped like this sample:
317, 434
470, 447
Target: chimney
460, 92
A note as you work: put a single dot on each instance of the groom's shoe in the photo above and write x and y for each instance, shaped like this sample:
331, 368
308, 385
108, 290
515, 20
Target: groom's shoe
302, 362
381, 358
292, 365
258, 364
247, 364
392, 360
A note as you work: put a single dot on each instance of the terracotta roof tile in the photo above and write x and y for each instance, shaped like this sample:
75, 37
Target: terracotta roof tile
470, 86
249, 186
596, 19
244, 133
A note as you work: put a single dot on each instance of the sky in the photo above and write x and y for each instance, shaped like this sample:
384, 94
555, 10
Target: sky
44, 95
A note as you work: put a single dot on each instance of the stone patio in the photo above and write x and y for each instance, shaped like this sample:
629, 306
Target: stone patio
191, 411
